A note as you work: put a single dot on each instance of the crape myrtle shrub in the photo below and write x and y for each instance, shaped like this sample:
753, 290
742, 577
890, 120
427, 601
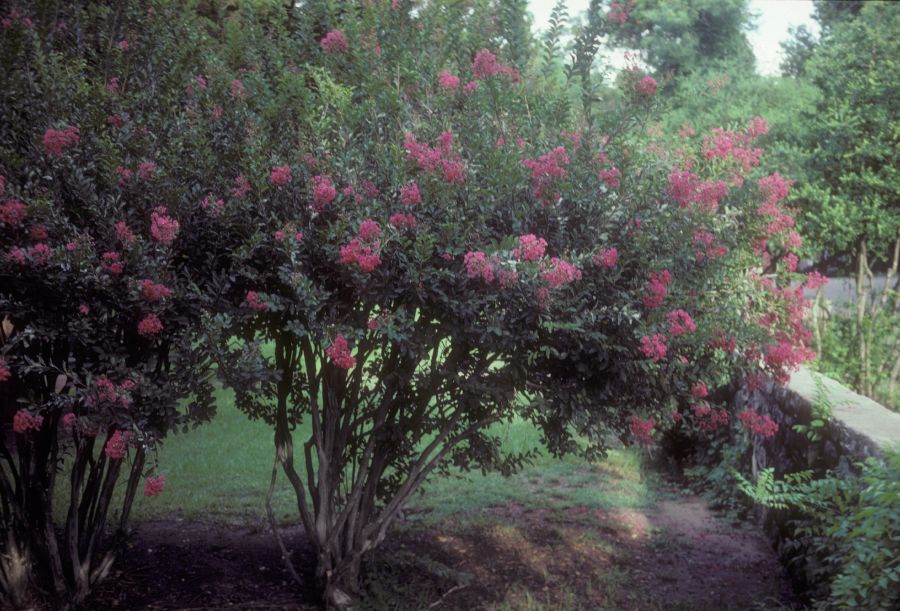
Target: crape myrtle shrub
397, 236
98, 358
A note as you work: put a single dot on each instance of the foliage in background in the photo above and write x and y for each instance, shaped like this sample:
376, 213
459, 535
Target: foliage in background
850, 526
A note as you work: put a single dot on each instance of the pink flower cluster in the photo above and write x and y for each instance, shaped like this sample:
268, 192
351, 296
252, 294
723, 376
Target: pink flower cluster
641, 429
163, 227
687, 189
323, 192
410, 195
709, 419
543, 172
339, 353
281, 175
439, 158
13, 212
654, 347
24, 422
153, 486
403, 221
774, 188
486, 65
107, 392
606, 258
110, 262
254, 302
656, 290
334, 43
559, 272
531, 248
57, 141
611, 176
212, 205
117, 445
699, 391
147, 170
758, 424
709, 248
237, 89
646, 86
241, 187
618, 12
815, 280
5, 374
150, 325
736, 146
154, 292
362, 250
124, 233
680, 323
447, 81
784, 356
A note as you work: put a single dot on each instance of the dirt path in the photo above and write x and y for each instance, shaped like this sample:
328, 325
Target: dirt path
676, 555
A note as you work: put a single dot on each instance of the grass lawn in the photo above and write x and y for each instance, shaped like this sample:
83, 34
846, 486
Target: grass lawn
220, 471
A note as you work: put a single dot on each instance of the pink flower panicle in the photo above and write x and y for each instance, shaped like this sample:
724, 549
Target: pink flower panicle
531, 248
699, 391
447, 81
147, 170
335, 43
485, 65
758, 424
57, 141
362, 250
559, 272
612, 177
281, 175
646, 86
339, 353
545, 170
124, 233
680, 323
656, 290
815, 280
440, 158
24, 422
154, 292
606, 258
110, 262
13, 212
163, 227
5, 373
654, 347
70, 420
641, 429
241, 187
117, 445
212, 205
369, 230
410, 195
237, 89
478, 265
403, 221
150, 325
688, 190
708, 247
254, 302
323, 192
153, 486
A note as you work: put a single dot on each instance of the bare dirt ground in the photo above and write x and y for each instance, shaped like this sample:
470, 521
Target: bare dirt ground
675, 555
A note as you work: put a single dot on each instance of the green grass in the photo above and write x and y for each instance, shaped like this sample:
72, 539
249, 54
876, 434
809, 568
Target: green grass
221, 471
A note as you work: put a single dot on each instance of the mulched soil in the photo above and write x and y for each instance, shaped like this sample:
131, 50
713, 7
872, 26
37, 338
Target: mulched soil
676, 555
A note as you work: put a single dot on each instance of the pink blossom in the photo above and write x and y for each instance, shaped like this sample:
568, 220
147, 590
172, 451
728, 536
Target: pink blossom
55, 141
531, 248
281, 175
790, 262
112, 85
680, 323
123, 44
611, 177
369, 230
699, 391
163, 227
362, 255
40, 253
213, 206
71, 245
13, 212
606, 258
69, 420
115, 121
758, 424
339, 353
154, 292
123, 233
479, 266
559, 272
201, 82
654, 347
485, 64
24, 422
646, 86
370, 190
334, 43
124, 175
403, 221
543, 172
641, 430
150, 325
4, 370
111, 263
323, 192
470, 87
147, 170
16, 255
117, 446
237, 89
39, 233
656, 290
618, 12
153, 486
84, 310
447, 81
815, 280
241, 187
410, 195
254, 303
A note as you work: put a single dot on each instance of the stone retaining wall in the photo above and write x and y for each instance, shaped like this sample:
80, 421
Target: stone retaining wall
859, 428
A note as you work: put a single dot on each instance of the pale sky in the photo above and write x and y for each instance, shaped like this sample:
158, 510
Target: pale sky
775, 16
